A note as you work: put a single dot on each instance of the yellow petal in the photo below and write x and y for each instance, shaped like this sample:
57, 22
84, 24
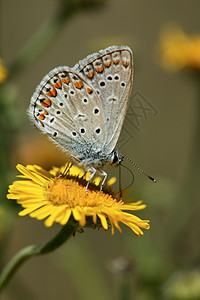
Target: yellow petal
103, 221
66, 217
51, 219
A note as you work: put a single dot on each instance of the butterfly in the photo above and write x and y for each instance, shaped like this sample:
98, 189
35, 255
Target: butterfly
82, 109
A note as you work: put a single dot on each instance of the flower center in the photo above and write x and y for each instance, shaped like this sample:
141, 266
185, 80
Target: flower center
62, 191
69, 192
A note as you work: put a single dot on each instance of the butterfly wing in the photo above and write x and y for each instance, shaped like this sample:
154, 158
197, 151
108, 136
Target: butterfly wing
110, 72
67, 109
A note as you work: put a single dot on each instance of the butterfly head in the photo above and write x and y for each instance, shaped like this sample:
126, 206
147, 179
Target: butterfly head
116, 159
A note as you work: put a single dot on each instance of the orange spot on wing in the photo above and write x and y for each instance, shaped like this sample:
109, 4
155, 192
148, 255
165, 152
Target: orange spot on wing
116, 61
65, 80
52, 93
125, 63
46, 103
41, 124
107, 64
90, 75
99, 69
89, 90
78, 84
58, 85
41, 117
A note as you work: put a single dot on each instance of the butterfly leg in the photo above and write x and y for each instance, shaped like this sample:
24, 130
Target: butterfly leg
93, 172
104, 175
66, 170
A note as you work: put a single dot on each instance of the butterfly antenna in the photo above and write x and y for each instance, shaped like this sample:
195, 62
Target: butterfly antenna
120, 183
133, 177
137, 167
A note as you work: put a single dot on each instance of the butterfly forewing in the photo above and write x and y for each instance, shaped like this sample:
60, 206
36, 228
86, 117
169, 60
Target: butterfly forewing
67, 108
110, 72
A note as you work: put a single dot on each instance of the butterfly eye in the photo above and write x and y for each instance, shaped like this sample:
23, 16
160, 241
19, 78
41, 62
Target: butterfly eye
115, 158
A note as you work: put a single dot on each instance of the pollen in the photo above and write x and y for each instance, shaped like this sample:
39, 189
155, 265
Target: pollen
62, 191
70, 192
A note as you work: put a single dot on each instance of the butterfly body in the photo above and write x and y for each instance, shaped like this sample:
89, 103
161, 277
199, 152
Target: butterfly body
82, 109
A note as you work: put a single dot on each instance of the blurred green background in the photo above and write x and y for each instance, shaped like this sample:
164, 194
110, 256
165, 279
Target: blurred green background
37, 36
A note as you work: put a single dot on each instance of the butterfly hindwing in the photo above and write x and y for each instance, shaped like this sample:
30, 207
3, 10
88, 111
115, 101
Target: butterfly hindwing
67, 108
110, 73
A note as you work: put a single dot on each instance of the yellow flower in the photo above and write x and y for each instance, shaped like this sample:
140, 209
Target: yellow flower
3, 73
63, 199
178, 50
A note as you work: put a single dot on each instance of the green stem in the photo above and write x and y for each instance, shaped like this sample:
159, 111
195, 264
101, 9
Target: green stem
34, 250
124, 288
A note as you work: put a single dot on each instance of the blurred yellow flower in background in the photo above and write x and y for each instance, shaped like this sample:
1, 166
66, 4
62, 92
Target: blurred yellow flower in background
179, 50
37, 150
3, 72
63, 198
